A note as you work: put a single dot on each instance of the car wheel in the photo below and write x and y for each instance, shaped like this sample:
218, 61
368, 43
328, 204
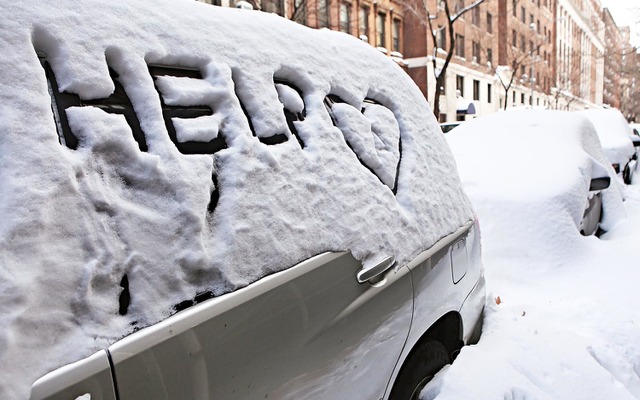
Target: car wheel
626, 174
420, 367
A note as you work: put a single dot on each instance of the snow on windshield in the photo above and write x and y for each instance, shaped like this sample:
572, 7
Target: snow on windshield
220, 176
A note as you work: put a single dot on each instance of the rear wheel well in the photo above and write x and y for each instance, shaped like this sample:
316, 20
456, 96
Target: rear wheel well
437, 347
446, 330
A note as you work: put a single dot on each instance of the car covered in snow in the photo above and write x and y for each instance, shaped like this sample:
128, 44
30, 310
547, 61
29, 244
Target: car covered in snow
535, 163
206, 202
616, 138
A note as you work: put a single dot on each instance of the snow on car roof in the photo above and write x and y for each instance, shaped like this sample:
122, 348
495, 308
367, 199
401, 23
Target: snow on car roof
613, 130
534, 165
117, 211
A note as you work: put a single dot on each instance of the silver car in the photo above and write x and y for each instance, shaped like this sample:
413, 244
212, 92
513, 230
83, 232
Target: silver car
245, 208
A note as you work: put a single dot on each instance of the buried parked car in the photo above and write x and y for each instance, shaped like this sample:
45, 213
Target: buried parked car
526, 163
202, 202
616, 138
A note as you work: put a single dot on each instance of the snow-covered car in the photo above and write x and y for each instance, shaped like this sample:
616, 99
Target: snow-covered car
206, 202
616, 140
523, 164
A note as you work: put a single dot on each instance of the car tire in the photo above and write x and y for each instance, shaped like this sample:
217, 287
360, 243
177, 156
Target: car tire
419, 369
626, 175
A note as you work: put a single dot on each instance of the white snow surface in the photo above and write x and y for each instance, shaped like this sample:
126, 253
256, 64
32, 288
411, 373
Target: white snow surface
614, 132
562, 318
74, 222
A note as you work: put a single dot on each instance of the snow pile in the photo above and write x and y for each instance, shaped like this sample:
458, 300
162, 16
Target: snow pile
562, 319
614, 132
80, 226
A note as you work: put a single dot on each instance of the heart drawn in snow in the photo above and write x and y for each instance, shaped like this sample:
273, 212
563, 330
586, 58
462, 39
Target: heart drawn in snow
374, 135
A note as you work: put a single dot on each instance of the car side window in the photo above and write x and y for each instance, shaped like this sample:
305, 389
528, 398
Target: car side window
188, 116
117, 103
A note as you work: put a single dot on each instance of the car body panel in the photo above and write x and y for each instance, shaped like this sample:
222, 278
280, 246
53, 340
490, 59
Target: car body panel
592, 215
91, 375
435, 294
311, 331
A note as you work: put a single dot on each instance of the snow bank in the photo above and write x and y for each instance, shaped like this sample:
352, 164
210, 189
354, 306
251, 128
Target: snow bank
613, 130
562, 318
76, 222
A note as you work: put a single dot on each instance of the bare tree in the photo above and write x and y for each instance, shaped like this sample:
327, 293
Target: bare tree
421, 11
506, 74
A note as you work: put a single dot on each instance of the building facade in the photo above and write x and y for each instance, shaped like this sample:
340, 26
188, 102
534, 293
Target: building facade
560, 54
503, 55
378, 22
580, 54
612, 91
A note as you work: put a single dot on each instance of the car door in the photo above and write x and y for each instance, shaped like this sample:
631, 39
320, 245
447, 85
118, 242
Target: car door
312, 331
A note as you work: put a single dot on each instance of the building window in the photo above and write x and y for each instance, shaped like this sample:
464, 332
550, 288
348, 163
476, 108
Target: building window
380, 32
323, 14
459, 45
489, 23
299, 12
441, 38
514, 8
475, 16
475, 51
523, 46
459, 6
460, 84
476, 89
514, 97
514, 36
489, 89
395, 35
490, 55
270, 6
363, 21
523, 15
522, 98
345, 17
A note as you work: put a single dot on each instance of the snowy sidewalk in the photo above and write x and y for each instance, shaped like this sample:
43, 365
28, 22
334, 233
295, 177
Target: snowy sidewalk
560, 323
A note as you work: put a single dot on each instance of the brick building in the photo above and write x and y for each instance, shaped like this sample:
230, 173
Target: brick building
503, 55
379, 22
613, 61
562, 54
527, 49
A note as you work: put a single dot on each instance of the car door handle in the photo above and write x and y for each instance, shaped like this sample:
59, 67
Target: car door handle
368, 274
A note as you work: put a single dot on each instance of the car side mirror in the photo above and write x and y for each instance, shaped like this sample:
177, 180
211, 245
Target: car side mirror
599, 183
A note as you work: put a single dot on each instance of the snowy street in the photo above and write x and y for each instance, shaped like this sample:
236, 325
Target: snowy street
562, 321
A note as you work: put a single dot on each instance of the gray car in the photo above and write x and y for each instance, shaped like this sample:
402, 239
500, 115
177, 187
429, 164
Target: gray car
229, 206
